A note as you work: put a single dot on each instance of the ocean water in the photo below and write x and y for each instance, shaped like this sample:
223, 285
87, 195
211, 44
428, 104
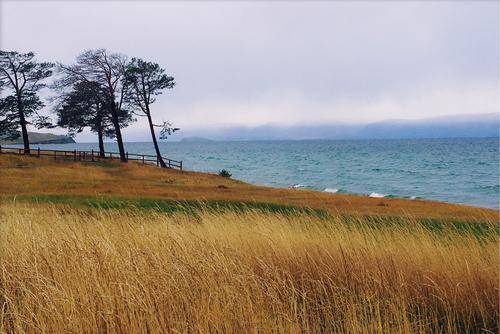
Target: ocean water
464, 170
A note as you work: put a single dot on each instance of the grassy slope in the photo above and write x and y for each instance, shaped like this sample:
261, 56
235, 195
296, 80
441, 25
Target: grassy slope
30, 176
349, 265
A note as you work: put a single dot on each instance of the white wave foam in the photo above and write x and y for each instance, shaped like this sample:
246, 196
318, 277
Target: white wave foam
413, 197
331, 190
376, 195
298, 185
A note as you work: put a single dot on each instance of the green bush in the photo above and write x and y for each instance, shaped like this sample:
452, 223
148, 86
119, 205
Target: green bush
225, 173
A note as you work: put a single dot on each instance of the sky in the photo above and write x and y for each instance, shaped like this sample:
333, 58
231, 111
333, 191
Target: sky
282, 62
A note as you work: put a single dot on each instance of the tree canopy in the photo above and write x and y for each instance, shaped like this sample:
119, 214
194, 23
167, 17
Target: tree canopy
101, 91
107, 70
145, 80
21, 78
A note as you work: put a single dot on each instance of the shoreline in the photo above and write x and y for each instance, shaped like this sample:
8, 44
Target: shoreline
350, 167
113, 179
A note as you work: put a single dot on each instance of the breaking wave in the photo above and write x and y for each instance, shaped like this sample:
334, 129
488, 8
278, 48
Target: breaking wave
376, 195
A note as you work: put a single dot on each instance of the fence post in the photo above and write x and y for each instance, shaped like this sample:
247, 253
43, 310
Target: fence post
38, 152
92, 154
180, 164
0, 149
74, 155
110, 155
157, 162
83, 155
127, 155
143, 159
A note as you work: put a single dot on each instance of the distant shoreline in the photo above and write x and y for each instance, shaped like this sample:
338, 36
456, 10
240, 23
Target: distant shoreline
37, 138
270, 140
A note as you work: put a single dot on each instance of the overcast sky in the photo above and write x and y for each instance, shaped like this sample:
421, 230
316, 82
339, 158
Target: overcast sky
277, 62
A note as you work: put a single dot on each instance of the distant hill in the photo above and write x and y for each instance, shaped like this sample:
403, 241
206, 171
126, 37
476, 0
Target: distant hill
195, 140
483, 125
40, 138
480, 125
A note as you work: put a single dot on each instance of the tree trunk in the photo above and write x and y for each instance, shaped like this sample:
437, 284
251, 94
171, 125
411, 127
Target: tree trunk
155, 142
119, 140
100, 130
118, 133
22, 122
101, 142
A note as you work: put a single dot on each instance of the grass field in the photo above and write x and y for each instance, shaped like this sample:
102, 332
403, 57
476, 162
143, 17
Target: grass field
39, 176
177, 253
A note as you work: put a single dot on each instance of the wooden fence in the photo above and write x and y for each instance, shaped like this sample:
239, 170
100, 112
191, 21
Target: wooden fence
93, 156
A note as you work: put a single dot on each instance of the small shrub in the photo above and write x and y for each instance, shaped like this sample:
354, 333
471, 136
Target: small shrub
225, 173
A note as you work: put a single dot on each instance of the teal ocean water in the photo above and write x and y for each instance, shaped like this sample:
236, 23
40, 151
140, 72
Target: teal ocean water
464, 170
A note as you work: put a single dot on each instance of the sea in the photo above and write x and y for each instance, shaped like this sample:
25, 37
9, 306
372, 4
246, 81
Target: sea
456, 170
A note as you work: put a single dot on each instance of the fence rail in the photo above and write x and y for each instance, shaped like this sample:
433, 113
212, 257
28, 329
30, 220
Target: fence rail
92, 155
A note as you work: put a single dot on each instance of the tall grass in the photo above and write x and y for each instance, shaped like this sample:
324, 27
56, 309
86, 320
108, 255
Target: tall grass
131, 271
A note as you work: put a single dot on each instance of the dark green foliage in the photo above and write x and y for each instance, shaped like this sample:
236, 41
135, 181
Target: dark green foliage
167, 130
21, 78
86, 106
145, 80
9, 120
82, 107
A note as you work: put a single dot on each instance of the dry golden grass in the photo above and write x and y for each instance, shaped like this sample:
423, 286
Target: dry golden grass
42, 176
69, 270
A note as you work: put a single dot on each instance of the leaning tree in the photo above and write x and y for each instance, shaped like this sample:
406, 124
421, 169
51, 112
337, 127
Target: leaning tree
107, 70
84, 106
22, 77
144, 81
